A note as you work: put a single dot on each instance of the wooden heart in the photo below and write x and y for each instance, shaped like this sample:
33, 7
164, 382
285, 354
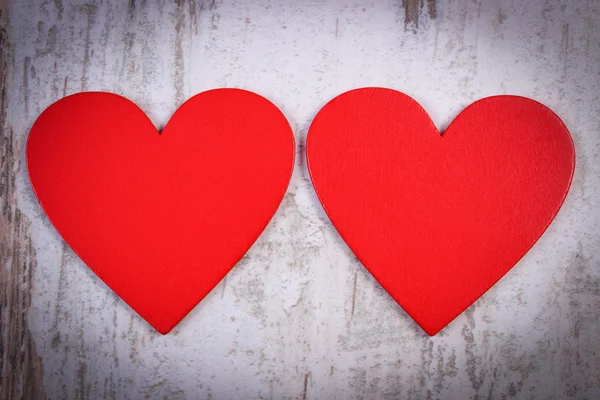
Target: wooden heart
438, 219
161, 218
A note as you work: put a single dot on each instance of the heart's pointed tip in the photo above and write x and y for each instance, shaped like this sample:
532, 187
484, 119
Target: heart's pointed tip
430, 329
164, 329
432, 332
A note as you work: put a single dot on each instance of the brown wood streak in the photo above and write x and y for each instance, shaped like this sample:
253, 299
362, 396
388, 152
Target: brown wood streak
20, 365
411, 11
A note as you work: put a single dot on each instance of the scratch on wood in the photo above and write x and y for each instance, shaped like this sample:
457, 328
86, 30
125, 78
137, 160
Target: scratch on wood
193, 15
26, 63
224, 283
178, 70
20, 365
565, 48
65, 86
90, 10
301, 153
337, 26
304, 391
352, 306
60, 296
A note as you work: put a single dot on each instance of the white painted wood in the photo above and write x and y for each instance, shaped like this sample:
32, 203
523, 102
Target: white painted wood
299, 317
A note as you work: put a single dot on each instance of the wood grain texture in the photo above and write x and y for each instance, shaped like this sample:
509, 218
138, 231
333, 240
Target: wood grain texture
19, 361
299, 317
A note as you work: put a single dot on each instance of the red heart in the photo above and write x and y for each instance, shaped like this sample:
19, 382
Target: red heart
161, 218
438, 219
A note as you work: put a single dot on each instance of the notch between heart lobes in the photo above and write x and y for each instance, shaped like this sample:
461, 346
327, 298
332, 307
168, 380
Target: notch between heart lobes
438, 219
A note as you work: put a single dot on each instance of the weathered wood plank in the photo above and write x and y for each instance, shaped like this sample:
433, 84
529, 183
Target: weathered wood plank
299, 317
19, 361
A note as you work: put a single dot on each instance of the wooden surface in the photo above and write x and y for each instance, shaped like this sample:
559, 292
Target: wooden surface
299, 317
